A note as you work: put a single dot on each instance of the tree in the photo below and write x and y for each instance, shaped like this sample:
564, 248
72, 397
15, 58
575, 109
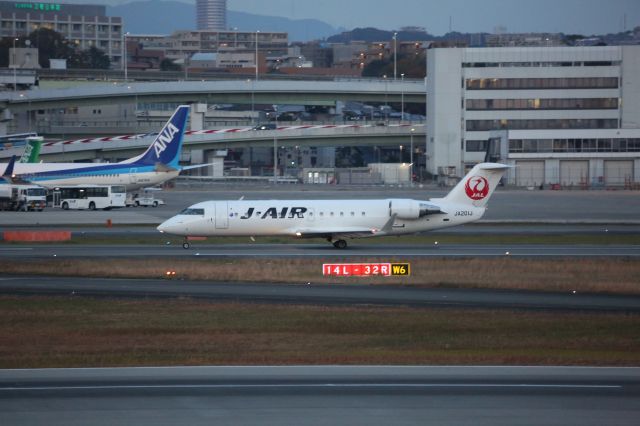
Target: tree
412, 66
50, 45
97, 59
53, 45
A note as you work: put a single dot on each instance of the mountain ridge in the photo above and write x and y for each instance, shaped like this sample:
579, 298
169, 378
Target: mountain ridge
165, 17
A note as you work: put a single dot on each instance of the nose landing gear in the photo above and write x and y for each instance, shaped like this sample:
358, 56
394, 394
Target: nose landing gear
185, 244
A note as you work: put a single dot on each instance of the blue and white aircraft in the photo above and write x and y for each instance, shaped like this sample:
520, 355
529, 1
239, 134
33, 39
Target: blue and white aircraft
157, 164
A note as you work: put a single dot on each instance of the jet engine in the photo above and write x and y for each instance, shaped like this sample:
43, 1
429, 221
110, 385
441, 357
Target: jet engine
411, 209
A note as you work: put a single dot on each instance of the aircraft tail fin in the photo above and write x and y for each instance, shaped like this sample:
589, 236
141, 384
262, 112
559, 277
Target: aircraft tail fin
167, 145
31, 150
9, 175
478, 185
8, 171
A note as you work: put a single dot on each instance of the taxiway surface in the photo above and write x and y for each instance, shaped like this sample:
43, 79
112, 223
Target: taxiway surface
317, 250
317, 294
322, 395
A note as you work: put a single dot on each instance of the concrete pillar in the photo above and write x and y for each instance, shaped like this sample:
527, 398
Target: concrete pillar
197, 116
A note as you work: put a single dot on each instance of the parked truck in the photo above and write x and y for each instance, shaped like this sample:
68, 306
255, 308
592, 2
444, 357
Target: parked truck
22, 197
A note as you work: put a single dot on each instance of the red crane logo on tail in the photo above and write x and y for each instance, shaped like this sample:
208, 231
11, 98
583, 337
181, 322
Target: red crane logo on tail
476, 187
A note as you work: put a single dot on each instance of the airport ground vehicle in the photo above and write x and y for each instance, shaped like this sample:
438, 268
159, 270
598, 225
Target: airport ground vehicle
22, 197
265, 126
91, 197
145, 199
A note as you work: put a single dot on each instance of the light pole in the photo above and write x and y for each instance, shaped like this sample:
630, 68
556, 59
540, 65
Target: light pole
124, 55
395, 55
275, 148
15, 65
257, 32
186, 68
402, 98
411, 157
386, 104
252, 99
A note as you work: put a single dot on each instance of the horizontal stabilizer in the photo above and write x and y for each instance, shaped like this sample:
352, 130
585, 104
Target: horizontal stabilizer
195, 166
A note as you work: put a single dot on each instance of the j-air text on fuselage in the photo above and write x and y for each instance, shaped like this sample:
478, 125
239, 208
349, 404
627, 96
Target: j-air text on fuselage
338, 220
157, 164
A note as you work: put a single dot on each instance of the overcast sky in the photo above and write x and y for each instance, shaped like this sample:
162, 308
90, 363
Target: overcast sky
568, 16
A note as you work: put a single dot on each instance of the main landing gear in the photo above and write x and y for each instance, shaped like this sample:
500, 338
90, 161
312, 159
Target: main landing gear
339, 244
185, 244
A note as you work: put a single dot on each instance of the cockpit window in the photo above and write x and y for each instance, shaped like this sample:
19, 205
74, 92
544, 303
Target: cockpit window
192, 212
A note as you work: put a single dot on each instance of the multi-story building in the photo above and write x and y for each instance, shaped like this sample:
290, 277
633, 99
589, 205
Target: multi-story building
563, 115
83, 25
211, 15
183, 44
524, 40
320, 54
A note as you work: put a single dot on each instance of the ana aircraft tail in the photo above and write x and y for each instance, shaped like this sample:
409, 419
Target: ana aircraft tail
478, 185
166, 147
8, 170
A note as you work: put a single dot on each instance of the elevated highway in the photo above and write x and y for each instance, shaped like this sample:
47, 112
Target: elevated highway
286, 136
321, 93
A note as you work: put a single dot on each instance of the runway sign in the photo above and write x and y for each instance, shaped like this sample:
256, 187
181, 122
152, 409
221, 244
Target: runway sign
365, 269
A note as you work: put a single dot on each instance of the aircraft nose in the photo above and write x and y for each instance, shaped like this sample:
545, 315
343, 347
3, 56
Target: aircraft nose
169, 226
163, 226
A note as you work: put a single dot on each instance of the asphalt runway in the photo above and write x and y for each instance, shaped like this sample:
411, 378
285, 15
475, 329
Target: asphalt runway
315, 250
506, 205
322, 395
318, 294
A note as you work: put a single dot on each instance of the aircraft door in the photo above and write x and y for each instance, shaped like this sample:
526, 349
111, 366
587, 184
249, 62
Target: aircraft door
222, 215
56, 198
133, 176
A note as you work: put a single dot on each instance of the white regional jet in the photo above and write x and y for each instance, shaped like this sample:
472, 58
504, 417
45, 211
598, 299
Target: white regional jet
337, 220
156, 165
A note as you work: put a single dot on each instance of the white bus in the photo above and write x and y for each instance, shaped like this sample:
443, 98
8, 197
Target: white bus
90, 197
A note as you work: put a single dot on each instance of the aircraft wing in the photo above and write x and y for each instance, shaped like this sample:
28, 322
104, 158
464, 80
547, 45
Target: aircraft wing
348, 232
345, 232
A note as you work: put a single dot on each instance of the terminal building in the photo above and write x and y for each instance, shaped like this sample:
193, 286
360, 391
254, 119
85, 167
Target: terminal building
567, 116
83, 25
